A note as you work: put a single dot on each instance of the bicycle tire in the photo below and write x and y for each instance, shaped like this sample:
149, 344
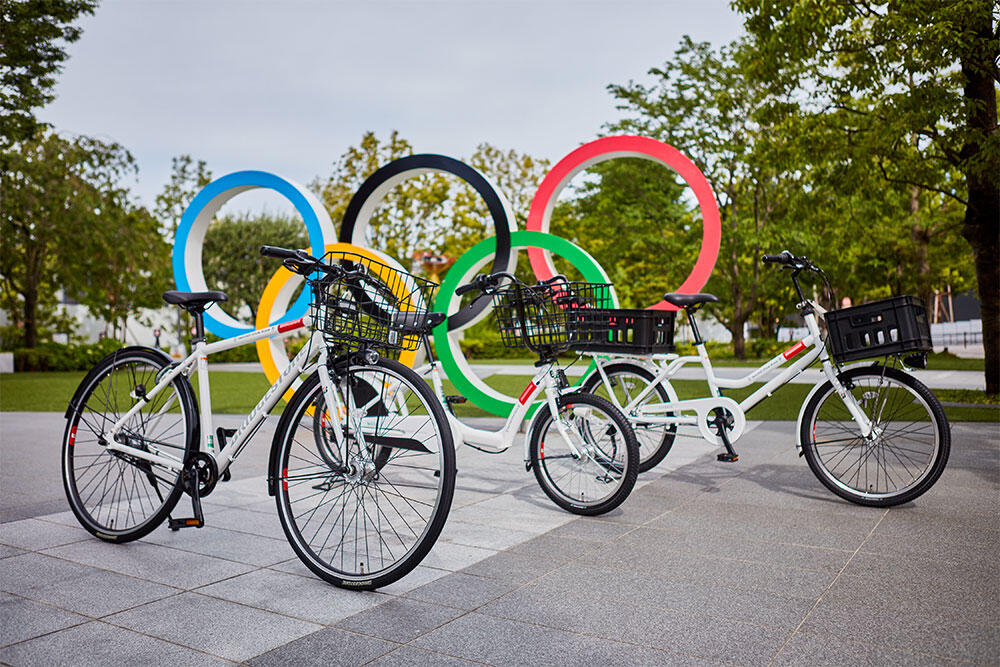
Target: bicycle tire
593, 484
116, 497
907, 453
655, 440
368, 523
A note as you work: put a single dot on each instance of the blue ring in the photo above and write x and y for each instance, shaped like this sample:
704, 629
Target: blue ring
212, 197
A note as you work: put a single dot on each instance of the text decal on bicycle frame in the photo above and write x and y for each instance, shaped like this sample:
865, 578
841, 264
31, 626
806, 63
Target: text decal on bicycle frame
793, 350
527, 393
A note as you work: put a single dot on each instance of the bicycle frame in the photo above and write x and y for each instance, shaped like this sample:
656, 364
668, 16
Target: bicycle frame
665, 367
499, 441
197, 362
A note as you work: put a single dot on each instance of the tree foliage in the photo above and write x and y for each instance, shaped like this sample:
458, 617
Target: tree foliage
232, 258
33, 36
432, 212
630, 215
702, 103
67, 222
908, 88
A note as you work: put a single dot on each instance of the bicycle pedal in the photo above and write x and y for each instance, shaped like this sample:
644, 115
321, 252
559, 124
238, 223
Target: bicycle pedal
177, 524
455, 399
726, 457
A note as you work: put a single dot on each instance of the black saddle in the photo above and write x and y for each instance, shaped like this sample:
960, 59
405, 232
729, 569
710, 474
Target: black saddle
194, 302
688, 300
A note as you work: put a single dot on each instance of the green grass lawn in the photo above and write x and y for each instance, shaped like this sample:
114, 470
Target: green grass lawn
237, 393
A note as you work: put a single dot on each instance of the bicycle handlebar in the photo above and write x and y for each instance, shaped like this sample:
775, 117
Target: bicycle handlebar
797, 264
484, 283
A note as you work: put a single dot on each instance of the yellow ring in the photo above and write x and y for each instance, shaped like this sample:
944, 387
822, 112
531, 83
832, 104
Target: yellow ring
282, 285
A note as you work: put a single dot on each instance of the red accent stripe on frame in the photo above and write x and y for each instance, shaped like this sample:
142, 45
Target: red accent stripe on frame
288, 326
793, 350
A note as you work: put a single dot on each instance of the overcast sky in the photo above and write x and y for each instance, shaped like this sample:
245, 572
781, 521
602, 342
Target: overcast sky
287, 86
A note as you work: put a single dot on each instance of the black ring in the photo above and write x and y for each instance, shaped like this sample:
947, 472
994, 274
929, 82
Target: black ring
391, 174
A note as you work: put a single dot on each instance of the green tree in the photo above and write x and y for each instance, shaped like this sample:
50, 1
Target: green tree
187, 178
702, 103
467, 220
33, 37
67, 222
233, 262
629, 214
912, 86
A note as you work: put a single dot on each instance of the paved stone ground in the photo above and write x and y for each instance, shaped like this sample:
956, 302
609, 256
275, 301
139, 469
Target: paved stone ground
748, 563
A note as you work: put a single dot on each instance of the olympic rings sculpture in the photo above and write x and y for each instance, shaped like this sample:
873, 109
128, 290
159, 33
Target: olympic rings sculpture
501, 248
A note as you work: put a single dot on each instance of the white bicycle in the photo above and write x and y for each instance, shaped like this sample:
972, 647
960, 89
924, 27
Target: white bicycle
362, 494
871, 432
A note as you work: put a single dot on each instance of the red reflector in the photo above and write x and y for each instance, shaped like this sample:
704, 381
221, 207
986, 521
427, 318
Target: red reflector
284, 478
793, 350
72, 436
541, 450
526, 394
288, 326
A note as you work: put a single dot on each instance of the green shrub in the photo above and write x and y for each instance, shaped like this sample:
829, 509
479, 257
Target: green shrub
59, 357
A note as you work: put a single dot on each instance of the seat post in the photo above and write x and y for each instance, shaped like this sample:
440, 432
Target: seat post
690, 310
199, 325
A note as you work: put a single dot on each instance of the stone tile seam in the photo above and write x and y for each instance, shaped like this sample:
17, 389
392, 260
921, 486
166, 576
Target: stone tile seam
822, 595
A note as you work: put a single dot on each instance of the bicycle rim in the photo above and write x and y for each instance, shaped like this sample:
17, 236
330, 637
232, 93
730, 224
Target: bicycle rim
899, 460
365, 521
115, 496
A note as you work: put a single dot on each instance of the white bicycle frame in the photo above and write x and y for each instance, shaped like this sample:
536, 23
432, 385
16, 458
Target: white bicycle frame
197, 362
499, 441
666, 366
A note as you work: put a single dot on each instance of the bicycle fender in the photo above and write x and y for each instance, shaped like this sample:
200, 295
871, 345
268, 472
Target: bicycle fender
90, 374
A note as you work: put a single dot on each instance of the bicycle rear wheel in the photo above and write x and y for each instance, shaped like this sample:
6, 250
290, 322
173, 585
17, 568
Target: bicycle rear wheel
601, 473
367, 519
115, 496
904, 455
628, 381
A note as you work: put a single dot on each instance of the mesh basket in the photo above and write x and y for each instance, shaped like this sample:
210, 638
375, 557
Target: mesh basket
889, 326
370, 305
547, 318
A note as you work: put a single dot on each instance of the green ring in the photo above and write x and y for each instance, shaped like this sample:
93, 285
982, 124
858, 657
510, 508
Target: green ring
456, 367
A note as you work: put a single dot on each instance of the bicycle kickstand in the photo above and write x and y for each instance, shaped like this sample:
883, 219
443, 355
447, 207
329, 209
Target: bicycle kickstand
730, 455
192, 484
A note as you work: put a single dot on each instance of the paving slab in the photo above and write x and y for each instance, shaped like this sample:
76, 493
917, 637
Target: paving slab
749, 563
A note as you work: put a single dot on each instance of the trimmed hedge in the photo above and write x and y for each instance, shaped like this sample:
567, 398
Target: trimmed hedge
59, 357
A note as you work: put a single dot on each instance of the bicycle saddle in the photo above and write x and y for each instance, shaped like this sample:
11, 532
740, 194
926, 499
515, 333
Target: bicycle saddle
418, 322
688, 300
194, 302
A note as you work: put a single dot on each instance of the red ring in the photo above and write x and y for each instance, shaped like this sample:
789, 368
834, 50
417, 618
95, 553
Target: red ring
608, 148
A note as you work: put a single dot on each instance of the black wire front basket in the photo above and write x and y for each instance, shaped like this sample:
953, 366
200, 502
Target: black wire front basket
370, 304
548, 317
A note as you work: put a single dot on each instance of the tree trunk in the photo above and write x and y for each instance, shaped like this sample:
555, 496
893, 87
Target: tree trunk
30, 317
982, 214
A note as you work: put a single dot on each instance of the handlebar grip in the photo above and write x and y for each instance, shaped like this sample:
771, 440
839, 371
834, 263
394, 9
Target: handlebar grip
465, 289
280, 253
784, 257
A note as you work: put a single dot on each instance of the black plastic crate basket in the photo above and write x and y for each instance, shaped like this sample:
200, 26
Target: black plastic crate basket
626, 331
368, 306
889, 326
546, 317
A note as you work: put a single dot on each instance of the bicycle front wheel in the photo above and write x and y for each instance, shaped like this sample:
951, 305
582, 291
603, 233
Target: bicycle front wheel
900, 459
592, 469
627, 381
363, 495
115, 496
